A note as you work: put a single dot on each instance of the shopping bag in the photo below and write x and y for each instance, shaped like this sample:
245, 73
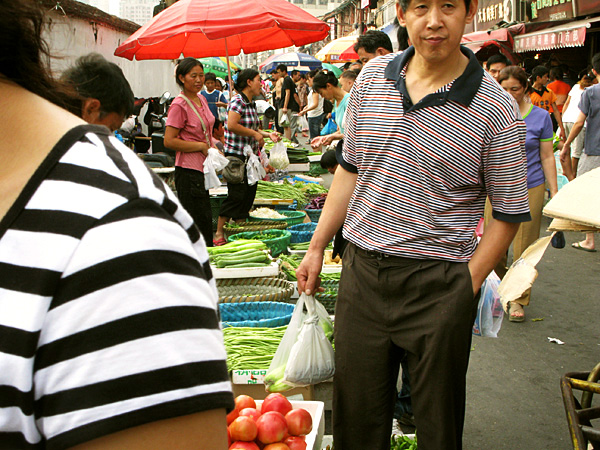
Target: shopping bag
305, 355
254, 169
284, 121
489, 310
303, 123
213, 163
329, 128
278, 157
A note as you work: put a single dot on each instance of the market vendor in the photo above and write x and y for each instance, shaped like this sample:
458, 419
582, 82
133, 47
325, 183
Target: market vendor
242, 130
189, 132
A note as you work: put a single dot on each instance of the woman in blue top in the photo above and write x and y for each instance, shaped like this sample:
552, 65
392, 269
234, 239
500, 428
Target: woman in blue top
326, 84
541, 167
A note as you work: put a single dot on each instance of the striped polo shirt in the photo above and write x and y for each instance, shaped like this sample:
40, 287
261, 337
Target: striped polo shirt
108, 309
425, 169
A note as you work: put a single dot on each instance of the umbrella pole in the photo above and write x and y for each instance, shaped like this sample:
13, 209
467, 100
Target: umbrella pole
229, 70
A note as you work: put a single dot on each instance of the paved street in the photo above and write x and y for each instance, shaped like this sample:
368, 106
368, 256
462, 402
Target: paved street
514, 400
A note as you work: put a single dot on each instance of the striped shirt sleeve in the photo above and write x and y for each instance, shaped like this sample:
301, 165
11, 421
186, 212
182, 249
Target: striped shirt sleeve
505, 174
132, 334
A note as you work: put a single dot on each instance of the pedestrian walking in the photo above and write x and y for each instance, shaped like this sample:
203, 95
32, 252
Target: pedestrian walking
428, 135
290, 103
590, 159
314, 109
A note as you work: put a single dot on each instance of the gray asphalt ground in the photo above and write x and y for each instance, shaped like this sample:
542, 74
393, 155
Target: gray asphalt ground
514, 400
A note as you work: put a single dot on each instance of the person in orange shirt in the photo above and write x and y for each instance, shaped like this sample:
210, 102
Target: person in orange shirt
544, 98
559, 87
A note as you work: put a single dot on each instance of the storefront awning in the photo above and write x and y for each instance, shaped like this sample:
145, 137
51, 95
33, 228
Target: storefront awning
562, 36
477, 39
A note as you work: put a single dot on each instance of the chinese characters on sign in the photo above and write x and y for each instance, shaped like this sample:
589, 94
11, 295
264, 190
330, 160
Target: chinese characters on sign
550, 40
551, 9
490, 12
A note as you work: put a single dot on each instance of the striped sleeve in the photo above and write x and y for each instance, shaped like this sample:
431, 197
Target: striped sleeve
132, 334
347, 157
505, 174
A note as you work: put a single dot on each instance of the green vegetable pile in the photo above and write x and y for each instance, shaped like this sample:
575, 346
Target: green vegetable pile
297, 155
401, 442
289, 264
251, 348
240, 253
285, 190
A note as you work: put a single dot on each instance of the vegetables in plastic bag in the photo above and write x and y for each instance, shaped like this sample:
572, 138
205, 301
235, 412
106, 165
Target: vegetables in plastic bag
284, 122
213, 163
254, 169
278, 157
489, 309
305, 355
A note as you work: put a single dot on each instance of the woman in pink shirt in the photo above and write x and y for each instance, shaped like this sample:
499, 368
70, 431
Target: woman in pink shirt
189, 130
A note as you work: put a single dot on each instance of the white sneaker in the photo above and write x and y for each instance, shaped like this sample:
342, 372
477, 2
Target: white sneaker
396, 428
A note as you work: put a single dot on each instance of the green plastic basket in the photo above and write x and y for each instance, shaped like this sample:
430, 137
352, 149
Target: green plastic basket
329, 297
292, 218
277, 245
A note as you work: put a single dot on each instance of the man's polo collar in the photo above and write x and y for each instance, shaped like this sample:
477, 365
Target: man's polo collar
463, 89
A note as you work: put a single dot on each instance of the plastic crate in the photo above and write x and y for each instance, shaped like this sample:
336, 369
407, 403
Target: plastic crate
215, 208
302, 232
277, 245
255, 314
292, 218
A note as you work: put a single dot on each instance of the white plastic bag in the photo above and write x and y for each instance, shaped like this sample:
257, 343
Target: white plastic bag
305, 355
278, 157
284, 122
254, 169
303, 123
213, 163
489, 309
264, 159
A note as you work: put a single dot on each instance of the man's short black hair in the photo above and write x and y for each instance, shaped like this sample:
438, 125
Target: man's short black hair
208, 76
281, 68
92, 76
556, 73
328, 160
349, 74
495, 59
294, 72
596, 62
404, 4
372, 40
538, 71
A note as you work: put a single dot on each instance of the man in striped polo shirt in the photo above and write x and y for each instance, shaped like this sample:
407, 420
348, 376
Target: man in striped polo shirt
429, 135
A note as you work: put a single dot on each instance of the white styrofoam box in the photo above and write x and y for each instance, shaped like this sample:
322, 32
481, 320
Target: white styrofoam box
314, 158
302, 167
316, 410
246, 272
296, 252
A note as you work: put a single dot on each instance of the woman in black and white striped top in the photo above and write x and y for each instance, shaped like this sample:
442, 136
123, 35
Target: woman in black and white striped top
109, 334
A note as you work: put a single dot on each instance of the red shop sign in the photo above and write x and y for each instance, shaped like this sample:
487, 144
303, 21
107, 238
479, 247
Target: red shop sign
550, 40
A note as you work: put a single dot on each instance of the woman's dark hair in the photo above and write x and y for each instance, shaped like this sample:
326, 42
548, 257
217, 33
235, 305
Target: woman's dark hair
92, 76
313, 72
25, 56
328, 160
243, 77
586, 78
517, 73
184, 67
321, 80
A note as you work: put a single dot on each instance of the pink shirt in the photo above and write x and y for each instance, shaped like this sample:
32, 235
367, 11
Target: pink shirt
182, 117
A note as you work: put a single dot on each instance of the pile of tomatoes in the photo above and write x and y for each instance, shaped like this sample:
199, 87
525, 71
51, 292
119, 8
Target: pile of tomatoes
275, 426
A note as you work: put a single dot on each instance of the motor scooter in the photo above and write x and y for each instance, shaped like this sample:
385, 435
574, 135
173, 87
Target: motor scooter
155, 118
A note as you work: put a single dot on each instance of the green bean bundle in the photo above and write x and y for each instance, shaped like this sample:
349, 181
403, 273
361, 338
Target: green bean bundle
251, 348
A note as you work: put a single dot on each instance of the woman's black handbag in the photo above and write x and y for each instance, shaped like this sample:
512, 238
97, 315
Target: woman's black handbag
234, 171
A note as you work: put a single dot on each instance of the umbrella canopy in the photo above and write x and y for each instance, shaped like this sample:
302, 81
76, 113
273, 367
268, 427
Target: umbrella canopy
332, 51
349, 54
336, 70
200, 28
233, 65
292, 60
215, 65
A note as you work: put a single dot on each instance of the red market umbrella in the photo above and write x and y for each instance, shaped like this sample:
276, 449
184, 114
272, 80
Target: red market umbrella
349, 54
200, 28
